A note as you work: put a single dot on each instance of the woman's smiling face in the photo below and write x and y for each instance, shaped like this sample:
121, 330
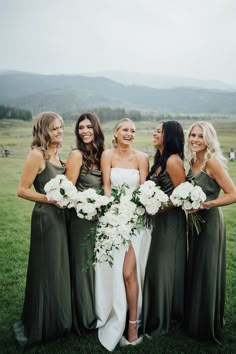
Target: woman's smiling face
86, 131
158, 136
196, 141
125, 133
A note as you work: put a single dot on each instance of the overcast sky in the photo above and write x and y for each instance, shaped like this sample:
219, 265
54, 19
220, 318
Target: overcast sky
190, 38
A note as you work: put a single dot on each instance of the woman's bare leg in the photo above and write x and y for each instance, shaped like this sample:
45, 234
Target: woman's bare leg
131, 286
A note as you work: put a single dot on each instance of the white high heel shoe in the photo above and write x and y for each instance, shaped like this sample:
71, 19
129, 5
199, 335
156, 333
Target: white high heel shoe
124, 342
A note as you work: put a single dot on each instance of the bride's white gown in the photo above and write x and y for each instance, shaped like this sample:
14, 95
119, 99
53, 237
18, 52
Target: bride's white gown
110, 295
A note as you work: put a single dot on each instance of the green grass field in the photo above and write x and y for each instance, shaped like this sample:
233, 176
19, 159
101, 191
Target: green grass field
15, 214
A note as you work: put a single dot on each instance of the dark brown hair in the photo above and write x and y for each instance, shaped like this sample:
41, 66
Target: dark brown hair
93, 156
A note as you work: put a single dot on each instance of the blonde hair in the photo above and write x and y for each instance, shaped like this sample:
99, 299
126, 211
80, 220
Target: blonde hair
117, 127
41, 131
211, 141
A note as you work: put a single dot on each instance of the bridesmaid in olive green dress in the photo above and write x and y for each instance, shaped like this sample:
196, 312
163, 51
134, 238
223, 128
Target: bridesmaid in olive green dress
206, 271
163, 298
47, 307
83, 169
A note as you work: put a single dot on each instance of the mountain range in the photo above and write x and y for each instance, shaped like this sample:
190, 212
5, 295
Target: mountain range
73, 93
161, 81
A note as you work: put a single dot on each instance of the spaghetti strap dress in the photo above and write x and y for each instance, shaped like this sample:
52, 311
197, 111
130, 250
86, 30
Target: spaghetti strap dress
47, 305
81, 250
164, 285
206, 270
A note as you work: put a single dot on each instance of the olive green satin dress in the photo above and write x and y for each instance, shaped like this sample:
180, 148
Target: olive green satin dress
47, 305
206, 271
81, 249
163, 296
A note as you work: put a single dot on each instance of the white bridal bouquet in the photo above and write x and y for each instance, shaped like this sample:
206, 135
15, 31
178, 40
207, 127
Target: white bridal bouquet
88, 203
121, 220
189, 197
124, 217
61, 190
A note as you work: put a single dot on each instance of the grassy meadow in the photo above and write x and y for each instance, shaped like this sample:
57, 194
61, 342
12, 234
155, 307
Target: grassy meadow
15, 214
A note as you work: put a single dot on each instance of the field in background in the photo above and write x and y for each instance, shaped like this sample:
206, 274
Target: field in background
15, 216
16, 135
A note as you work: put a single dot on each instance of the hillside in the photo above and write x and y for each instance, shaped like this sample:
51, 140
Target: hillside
161, 81
69, 93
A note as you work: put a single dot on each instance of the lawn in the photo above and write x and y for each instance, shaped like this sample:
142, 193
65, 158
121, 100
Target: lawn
15, 216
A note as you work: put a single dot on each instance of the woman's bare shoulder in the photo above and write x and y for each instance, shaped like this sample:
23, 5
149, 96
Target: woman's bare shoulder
214, 166
108, 153
36, 153
35, 160
174, 159
76, 153
141, 156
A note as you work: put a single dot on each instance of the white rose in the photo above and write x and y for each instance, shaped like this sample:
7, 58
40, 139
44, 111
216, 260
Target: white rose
187, 205
196, 204
147, 188
88, 208
176, 201
57, 195
161, 196
144, 200
140, 210
152, 209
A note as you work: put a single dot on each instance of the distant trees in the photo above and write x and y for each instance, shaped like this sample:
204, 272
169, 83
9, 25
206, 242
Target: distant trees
107, 114
8, 112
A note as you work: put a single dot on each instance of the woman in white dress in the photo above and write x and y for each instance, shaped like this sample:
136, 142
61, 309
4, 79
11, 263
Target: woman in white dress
118, 289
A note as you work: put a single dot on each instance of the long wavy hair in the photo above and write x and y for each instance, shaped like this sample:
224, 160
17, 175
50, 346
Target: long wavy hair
173, 143
41, 131
90, 156
211, 141
117, 127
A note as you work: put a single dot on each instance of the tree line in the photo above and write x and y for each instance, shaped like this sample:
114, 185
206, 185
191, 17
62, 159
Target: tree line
105, 114
9, 112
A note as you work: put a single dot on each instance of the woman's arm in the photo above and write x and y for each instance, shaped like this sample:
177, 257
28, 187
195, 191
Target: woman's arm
73, 165
34, 164
175, 169
143, 165
215, 169
106, 171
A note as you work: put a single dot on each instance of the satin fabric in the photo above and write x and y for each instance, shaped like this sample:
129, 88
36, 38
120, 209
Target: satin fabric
206, 270
47, 306
164, 286
110, 299
81, 251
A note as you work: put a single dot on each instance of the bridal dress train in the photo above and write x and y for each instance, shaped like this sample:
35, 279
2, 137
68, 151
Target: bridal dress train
110, 299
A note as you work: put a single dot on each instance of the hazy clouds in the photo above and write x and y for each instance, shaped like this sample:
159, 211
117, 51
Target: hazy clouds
170, 37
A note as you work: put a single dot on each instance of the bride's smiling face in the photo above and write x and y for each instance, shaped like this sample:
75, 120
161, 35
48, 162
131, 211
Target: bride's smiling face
125, 134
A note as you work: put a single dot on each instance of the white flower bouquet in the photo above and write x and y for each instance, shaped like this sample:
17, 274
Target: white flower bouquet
190, 197
150, 197
61, 190
121, 220
89, 203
